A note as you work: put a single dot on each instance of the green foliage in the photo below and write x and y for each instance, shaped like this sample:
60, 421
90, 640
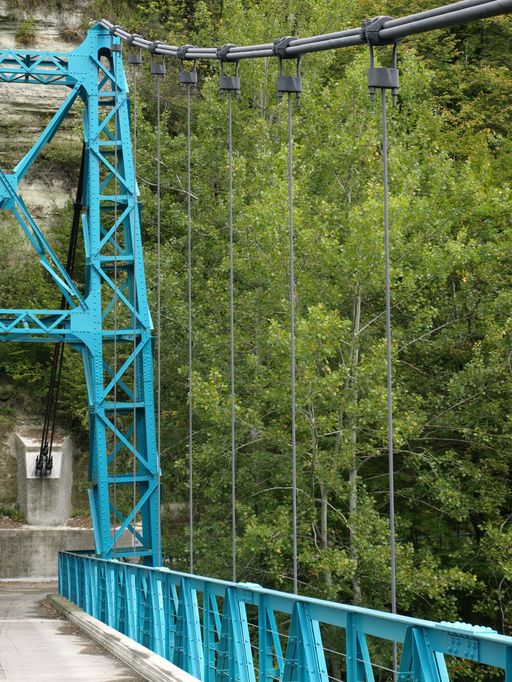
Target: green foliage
450, 207
26, 5
12, 512
6, 421
26, 33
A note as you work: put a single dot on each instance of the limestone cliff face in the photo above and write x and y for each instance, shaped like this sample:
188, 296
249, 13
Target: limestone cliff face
26, 109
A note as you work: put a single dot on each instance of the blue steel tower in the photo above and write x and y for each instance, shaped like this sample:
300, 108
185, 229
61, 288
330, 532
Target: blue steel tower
107, 320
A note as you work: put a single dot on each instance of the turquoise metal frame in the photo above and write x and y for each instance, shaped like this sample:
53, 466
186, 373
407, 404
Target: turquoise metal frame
215, 629
109, 320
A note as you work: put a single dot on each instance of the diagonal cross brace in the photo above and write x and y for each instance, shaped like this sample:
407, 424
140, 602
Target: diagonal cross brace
46, 254
46, 136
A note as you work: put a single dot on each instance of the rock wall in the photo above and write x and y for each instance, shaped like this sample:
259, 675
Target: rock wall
8, 467
56, 24
26, 109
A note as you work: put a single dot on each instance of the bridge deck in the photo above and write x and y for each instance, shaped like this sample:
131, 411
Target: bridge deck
35, 644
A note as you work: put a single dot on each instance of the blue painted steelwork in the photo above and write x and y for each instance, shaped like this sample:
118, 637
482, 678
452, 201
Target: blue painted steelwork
121, 401
215, 629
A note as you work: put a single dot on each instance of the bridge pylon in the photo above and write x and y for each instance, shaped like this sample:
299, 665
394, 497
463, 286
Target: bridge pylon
107, 319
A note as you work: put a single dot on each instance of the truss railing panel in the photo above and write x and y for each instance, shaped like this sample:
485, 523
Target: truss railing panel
217, 630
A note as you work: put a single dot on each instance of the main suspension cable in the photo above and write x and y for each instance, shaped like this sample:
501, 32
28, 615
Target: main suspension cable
44, 461
390, 31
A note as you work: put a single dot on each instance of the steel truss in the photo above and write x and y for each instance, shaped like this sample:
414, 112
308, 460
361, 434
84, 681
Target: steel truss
120, 388
218, 630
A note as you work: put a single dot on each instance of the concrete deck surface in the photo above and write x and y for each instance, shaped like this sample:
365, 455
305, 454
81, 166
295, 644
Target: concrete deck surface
37, 645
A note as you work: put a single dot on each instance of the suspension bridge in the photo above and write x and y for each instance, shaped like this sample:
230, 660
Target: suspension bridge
210, 628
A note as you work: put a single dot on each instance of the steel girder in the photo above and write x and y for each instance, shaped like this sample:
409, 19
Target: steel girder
108, 321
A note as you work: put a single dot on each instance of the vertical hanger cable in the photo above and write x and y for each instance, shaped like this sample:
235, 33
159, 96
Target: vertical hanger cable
232, 338
190, 343
389, 376
382, 78
292, 85
292, 342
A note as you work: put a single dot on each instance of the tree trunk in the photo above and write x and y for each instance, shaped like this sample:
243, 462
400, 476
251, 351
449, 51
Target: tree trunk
324, 528
323, 490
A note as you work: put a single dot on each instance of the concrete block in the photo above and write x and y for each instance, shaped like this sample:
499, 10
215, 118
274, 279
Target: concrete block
8, 476
31, 551
44, 501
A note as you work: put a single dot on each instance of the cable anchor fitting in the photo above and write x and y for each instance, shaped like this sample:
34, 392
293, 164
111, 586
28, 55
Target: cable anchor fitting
371, 28
134, 58
115, 46
287, 83
157, 68
187, 76
381, 78
228, 83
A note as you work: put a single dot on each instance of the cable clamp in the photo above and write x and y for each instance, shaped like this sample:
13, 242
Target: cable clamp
227, 82
158, 69
381, 78
280, 45
112, 30
154, 46
222, 52
132, 37
289, 83
181, 52
134, 58
187, 76
371, 28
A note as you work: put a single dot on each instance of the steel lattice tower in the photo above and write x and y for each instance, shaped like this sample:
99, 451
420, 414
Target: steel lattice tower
108, 321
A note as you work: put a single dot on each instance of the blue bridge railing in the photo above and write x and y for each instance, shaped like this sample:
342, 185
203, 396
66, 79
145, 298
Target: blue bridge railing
218, 630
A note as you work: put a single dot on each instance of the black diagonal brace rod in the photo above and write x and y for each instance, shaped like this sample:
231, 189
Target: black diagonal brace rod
391, 31
44, 461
